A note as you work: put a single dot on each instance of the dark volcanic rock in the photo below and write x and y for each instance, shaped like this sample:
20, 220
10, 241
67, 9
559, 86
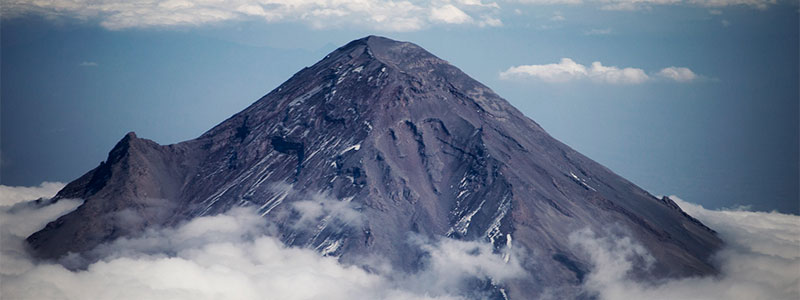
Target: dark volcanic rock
415, 144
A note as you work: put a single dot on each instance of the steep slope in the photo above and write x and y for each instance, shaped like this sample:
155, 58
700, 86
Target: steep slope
409, 142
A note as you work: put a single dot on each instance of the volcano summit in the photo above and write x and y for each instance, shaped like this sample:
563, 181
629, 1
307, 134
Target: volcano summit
393, 141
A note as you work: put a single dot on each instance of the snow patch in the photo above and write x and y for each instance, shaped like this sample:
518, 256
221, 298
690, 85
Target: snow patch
581, 181
494, 230
463, 224
282, 190
355, 147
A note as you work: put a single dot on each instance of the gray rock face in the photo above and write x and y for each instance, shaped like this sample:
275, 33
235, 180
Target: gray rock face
415, 145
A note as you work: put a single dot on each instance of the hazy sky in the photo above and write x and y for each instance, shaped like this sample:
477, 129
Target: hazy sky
693, 98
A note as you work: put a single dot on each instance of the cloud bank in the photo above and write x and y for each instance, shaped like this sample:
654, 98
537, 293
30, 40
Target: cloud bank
233, 256
569, 70
384, 15
761, 260
10, 195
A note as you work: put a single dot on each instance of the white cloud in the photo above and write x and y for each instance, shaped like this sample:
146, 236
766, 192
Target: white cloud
569, 70
615, 75
449, 14
20, 216
761, 260
385, 15
88, 64
678, 74
233, 256
10, 195
565, 70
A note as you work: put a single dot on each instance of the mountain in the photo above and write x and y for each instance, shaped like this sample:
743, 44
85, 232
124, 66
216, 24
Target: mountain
410, 143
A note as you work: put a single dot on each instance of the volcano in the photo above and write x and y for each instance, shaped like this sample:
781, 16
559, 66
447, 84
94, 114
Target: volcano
410, 143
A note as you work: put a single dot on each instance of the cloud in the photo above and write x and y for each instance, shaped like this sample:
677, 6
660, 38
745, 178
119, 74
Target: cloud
677, 74
597, 31
384, 15
646, 4
557, 17
88, 64
20, 216
565, 70
490, 21
235, 256
321, 208
10, 195
449, 14
761, 260
550, 2
569, 70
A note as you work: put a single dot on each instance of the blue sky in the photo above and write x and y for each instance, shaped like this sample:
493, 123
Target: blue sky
693, 98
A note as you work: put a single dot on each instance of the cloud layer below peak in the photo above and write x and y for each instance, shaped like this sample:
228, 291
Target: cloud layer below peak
761, 260
569, 70
231, 256
228, 256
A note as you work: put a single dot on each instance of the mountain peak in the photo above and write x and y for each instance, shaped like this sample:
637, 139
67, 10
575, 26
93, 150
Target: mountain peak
413, 145
405, 56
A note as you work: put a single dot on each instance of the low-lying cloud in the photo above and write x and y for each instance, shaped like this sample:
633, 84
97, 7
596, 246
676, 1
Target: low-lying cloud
569, 70
233, 256
10, 195
761, 260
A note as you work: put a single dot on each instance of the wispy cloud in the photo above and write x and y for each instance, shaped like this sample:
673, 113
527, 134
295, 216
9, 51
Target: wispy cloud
569, 70
678, 74
557, 17
385, 15
597, 31
645, 4
88, 64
